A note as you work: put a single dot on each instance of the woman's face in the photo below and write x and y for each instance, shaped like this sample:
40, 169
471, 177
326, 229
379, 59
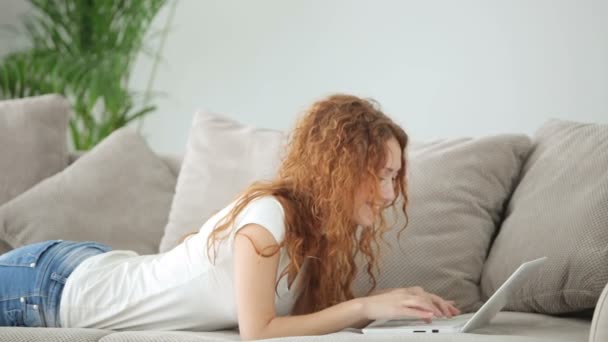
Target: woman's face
364, 205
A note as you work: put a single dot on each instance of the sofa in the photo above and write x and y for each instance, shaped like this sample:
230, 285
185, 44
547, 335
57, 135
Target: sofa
478, 208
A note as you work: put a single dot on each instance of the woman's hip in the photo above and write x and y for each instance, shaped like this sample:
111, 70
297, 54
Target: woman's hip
32, 279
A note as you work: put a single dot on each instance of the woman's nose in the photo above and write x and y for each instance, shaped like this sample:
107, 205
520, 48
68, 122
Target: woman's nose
388, 194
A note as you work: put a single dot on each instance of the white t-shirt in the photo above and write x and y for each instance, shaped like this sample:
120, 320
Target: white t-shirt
177, 290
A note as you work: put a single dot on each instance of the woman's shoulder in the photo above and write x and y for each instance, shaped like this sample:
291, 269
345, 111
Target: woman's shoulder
266, 211
264, 206
269, 202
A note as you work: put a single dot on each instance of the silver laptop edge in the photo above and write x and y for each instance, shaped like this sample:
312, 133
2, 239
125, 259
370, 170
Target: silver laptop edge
482, 317
498, 300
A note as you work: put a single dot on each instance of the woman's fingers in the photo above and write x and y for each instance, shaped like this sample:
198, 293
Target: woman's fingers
418, 299
421, 314
447, 306
421, 304
437, 309
454, 310
442, 305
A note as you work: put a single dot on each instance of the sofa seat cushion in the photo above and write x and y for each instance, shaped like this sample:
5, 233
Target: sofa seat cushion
22, 334
506, 327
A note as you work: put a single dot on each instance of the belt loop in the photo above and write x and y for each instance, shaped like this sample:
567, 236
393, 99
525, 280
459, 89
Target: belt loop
58, 278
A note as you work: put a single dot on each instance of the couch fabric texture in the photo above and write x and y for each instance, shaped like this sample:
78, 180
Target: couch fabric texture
507, 327
457, 190
32, 144
117, 194
558, 210
222, 157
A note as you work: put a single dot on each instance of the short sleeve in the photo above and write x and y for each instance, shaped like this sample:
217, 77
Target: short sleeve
267, 212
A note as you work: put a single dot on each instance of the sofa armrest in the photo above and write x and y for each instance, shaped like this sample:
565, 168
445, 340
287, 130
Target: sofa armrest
599, 325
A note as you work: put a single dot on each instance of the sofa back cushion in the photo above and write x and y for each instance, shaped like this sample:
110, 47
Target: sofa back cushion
559, 210
33, 144
172, 160
119, 193
457, 191
222, 158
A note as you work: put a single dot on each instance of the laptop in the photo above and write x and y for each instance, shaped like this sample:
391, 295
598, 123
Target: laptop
462, 323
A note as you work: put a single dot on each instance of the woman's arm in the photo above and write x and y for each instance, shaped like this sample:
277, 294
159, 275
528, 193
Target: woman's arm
255, 279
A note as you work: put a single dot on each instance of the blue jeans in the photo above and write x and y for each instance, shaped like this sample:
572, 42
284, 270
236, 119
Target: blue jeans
32, 279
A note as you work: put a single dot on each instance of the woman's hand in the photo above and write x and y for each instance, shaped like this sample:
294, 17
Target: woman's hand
407, 302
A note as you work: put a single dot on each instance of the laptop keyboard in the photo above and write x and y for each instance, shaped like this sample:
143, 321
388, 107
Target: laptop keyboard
436, 321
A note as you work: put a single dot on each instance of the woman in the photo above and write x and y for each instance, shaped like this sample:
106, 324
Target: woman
278, 261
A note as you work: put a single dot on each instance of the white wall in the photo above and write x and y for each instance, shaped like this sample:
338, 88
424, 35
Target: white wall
441, 68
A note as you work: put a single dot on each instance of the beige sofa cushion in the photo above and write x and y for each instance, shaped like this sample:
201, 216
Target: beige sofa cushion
222, 158
505, 327
33, 143
559, 210
457, 191
119, 193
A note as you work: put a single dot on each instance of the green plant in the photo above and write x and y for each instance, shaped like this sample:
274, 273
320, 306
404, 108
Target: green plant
85, 50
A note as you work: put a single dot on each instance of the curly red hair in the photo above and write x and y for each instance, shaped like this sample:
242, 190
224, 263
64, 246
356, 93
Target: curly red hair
337, 145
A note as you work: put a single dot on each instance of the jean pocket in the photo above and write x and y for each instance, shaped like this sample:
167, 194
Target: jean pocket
28, 316
13, 318
32, 317
26, 256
